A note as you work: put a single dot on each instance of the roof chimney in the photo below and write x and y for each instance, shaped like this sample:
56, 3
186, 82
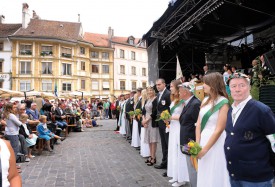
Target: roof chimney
34, 15
110, 33
26, 17
78, 17
2, 19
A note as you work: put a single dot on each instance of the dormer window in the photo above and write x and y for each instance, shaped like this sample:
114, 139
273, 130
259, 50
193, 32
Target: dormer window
131, 42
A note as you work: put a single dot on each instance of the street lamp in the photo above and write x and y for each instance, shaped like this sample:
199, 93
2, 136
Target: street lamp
81, 94
25, 93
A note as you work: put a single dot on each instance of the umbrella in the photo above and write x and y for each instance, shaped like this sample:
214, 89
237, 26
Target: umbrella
10, 93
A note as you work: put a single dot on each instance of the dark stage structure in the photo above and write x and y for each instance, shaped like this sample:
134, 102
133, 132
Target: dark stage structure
215, 32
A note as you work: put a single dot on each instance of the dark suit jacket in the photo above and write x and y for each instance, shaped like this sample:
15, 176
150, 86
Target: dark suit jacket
58, 115
163, 104
138, 106
117, 111
129, 106
154, 112
188, 118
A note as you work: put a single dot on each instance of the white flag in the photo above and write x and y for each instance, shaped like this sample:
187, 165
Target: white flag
179, 72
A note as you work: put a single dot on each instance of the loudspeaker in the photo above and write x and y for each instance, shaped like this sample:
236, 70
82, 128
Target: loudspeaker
266, 96
269, 59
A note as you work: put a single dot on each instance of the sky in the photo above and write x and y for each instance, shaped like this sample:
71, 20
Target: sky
126, 17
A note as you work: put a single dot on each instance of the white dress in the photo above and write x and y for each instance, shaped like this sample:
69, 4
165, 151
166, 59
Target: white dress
144, 147
121, 122
212, 169
5, 163
135, 135
177, 165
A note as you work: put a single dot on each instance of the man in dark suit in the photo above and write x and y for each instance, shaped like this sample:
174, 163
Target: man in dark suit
129, 106
60, 116
164, 102
138, 106
117, 113
188, 118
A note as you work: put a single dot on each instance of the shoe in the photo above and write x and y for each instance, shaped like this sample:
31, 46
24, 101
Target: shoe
62, 138
178, 184
138, 148
164, 174
172, 180
27, 159
57, 143
148, 160
161, 166
152, 162
32, 156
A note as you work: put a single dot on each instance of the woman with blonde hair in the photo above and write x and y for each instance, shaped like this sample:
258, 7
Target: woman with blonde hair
150, 125
210, 133
144, 147
177, 164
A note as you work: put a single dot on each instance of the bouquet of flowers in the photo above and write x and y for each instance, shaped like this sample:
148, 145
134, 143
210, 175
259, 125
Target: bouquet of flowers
138, 113
165, 115
131, 114
193, 149
118, 108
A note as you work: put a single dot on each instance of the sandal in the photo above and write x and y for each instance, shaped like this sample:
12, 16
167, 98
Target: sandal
148, 160
152, 162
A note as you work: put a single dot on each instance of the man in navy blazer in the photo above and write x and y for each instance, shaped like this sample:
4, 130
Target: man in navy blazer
163, 103
247, 147
188, 118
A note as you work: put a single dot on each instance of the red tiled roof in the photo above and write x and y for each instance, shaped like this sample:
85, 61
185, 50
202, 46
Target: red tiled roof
98, 40
124, 40
8, 29
52, 29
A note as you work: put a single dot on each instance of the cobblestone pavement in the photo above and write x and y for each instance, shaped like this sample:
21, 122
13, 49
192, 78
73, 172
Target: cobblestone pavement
96, 157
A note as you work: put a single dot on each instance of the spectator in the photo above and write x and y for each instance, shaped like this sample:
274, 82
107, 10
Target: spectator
32, 112
106, 107
9, 172
45, 133
26, 131
100, 107
205, 69
60, 116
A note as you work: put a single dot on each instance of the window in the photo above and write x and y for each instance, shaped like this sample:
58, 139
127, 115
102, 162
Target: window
133, 55
105, 85
25, 67
131, 41
82, 84
66, 69
122, 85
46, 50
1, 46
133, 70
66, 52
46, 85
122, 69
94, 85
121, 53
144, 85
105, 56
94, 54
66, 87
82, 63
134, 85
142, 44
82, 50
1, 66
143, 71
47, 68
105, 68
25, 49
25, 85
95, 68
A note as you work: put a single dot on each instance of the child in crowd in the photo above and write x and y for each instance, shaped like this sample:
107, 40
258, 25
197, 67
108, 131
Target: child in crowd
45, 133
26, 131
88, 121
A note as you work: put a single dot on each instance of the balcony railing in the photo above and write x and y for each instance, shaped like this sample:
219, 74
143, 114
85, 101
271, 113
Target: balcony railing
46, 53
25, 52
25, 72
66, 55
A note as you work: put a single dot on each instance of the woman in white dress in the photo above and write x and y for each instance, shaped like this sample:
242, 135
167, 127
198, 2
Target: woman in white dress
135, 134
210, 133
177, 165
121, 122
144, 147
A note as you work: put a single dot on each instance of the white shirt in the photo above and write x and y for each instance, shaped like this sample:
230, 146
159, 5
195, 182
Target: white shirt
160, 93
187, 101
237, 110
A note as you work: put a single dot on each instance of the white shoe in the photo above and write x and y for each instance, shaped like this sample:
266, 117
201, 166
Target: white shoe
178, 184
172, 180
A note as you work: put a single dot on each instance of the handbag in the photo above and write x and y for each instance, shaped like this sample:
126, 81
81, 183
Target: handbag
20, 158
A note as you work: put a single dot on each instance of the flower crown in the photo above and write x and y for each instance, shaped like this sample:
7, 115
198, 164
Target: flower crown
237, 75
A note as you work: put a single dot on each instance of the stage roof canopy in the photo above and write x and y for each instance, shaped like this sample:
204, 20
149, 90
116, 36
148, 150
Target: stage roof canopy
211, 22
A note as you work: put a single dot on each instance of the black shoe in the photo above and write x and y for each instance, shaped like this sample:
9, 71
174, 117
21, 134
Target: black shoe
161, 166
164, 174
137, 148
62, 138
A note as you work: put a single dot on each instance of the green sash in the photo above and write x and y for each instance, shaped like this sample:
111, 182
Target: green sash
210, 112
175, 106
